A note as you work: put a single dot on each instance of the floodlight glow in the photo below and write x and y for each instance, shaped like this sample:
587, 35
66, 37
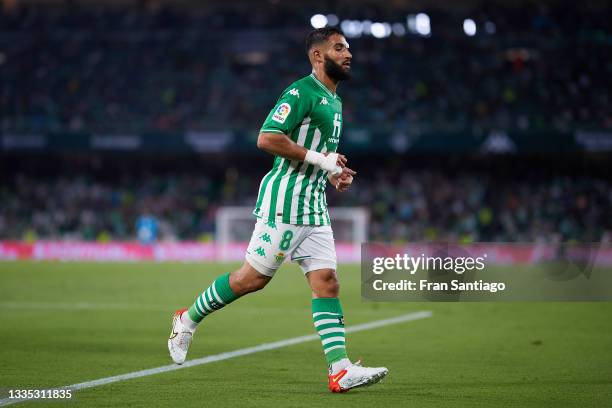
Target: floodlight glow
351, 28
332, 20
422, 24
318, 21
378, 30
366, 27
398, 29
411, 23
388, 30
469, 27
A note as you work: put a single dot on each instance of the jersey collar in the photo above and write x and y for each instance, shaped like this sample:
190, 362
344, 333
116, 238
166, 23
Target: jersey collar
322, 85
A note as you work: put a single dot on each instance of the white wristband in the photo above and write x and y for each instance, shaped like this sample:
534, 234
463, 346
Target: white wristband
327, 163
336, 171
314, 158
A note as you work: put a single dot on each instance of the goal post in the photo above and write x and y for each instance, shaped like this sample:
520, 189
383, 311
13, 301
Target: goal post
234, 226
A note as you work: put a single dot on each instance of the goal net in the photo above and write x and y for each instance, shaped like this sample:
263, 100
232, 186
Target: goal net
234, 226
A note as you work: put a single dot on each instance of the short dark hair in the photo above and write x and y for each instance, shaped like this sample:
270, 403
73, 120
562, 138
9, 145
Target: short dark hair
320, 35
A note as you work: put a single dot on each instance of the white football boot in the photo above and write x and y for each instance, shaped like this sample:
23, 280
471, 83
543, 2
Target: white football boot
180, 338
355, 376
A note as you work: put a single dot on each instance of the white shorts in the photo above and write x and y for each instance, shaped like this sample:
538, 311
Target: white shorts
311, 246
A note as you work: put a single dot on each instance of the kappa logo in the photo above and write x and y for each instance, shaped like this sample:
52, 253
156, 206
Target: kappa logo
324, 101
295, 92
281, 113
265, 237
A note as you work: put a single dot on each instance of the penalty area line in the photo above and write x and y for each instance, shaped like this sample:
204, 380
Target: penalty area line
230, 354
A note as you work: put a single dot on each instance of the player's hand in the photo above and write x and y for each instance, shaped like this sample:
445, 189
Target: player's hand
334, 163
344, 180
330, 163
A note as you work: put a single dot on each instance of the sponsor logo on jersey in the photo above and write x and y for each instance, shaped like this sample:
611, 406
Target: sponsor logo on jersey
295, 92
324, 101
281, 113
337, 125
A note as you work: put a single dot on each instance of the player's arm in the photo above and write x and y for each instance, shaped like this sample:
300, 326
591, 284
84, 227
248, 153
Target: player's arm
288, 113
280, 144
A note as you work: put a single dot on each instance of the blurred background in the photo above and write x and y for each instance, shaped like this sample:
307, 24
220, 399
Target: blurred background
128, 133
127, 121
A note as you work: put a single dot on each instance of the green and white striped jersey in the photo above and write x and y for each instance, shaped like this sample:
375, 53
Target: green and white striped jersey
293, 192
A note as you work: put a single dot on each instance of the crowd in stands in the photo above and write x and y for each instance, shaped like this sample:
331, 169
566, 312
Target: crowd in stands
410, 205
148, 68
145, 68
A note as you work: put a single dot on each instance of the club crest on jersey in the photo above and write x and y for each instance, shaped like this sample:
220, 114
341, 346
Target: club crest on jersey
281, 113
280, 257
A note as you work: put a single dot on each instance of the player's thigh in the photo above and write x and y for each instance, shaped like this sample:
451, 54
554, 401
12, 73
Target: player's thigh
317, 250
271, 244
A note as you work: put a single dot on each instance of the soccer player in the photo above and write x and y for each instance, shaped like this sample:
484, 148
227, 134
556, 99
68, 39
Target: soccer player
302, 131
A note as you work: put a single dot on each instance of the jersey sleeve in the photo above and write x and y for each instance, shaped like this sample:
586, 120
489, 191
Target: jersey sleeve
288, 113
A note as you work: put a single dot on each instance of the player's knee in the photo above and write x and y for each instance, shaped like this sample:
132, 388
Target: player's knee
332, 287
329, 292
326, 284
241, 284
257, 283
247, 280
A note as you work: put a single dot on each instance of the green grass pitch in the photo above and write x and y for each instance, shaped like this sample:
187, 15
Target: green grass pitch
64, 323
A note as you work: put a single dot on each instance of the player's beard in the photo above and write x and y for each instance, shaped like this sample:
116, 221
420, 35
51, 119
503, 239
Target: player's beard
335, 71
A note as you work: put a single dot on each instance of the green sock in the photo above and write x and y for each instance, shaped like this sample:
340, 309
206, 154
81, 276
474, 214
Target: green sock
329, 322
218, 294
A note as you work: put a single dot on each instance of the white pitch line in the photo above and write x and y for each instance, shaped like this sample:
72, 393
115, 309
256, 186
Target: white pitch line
230, 354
